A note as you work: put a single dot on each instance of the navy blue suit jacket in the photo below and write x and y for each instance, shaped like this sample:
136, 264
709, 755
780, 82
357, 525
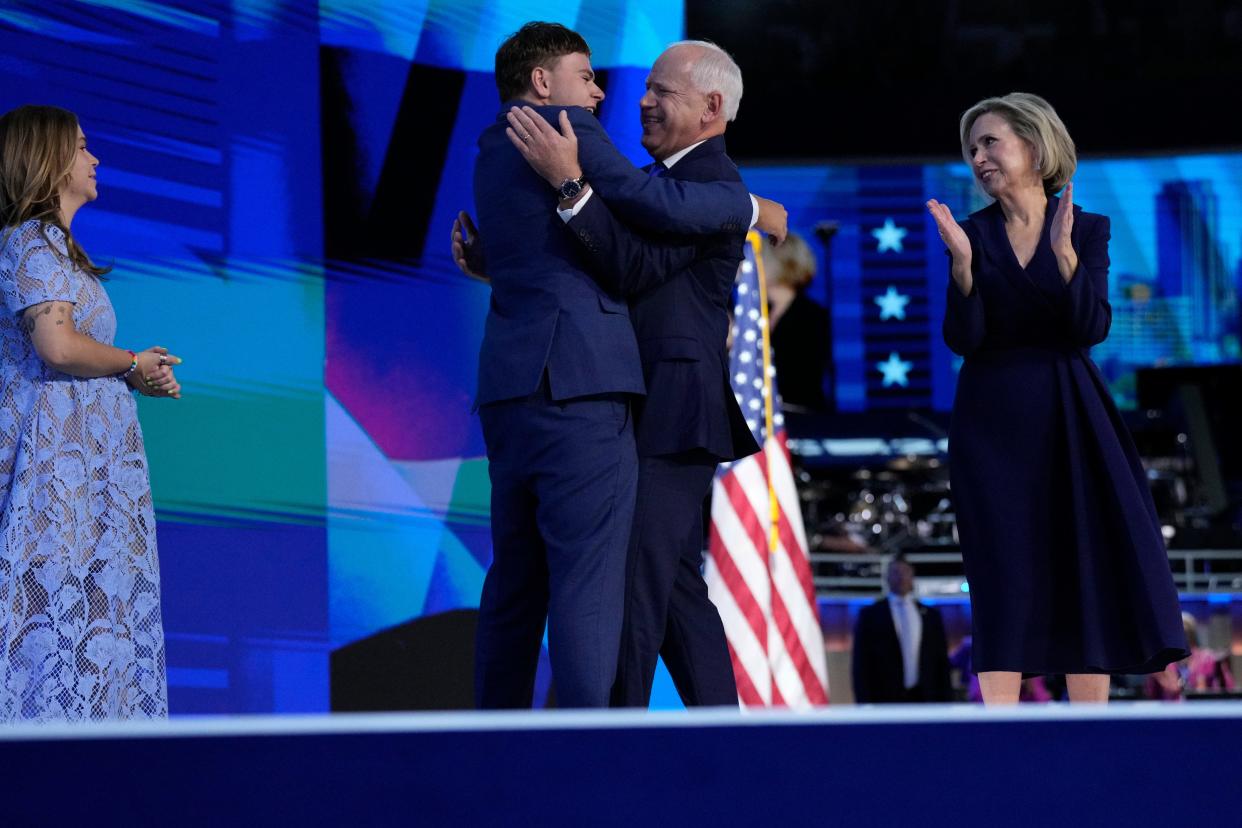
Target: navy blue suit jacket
679, 289
547, 313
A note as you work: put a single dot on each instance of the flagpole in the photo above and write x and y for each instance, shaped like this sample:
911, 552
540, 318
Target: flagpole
774, 507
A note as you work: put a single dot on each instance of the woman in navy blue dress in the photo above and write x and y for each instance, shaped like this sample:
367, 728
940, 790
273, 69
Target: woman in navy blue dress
1067, 566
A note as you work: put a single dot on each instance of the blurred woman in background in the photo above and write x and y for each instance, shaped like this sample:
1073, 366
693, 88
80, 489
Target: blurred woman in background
800, 327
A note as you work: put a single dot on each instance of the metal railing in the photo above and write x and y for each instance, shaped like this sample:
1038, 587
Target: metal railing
849, 575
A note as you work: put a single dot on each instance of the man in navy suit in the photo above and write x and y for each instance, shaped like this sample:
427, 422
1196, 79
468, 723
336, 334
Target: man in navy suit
558, 368
679, 289
900, 652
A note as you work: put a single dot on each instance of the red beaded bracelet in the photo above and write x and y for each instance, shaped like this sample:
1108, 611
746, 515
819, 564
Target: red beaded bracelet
133, 364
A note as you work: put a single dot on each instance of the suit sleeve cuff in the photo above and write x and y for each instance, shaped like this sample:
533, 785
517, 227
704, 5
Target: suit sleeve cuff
570, 212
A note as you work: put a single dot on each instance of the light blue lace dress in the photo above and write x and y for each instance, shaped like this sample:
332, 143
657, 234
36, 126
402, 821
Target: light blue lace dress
80, 630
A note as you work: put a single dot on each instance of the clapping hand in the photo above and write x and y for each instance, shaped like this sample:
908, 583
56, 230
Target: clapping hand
957, 242
951, 233
1060, 233
154, 377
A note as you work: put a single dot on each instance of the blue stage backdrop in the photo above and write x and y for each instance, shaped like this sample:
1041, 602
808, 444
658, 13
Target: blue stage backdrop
277, 184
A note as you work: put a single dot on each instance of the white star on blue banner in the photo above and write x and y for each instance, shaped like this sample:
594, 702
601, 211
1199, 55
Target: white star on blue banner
895, 369
892, 304
889, 237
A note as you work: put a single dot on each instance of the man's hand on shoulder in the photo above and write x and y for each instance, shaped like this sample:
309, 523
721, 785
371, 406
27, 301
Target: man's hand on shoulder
551, 153
467, 248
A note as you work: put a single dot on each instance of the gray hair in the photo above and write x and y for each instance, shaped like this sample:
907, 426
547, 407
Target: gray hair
714, 70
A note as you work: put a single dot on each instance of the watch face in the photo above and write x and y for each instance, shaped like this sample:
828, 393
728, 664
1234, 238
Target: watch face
570, 189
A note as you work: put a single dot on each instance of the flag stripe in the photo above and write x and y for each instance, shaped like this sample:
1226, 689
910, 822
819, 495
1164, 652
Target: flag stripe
729, 552
749, 546
791, 529
737, 589
777, 699
749, 653
745, 687
793, 645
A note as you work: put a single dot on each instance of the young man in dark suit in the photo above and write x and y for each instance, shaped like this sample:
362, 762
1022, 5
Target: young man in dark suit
558, 368
679, 289
900, 651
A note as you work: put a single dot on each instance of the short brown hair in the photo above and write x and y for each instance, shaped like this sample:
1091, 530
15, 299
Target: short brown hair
535, 44
1035, 121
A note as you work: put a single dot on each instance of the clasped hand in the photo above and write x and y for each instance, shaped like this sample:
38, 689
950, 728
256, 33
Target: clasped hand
154, 376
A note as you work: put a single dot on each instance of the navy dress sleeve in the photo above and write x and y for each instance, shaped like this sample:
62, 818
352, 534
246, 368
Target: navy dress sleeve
964, 326
1086, 294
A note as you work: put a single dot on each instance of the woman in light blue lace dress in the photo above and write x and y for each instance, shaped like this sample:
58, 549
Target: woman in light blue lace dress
80, 630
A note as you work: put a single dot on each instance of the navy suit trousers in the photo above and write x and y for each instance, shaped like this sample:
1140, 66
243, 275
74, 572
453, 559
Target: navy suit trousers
563, 482
667, 610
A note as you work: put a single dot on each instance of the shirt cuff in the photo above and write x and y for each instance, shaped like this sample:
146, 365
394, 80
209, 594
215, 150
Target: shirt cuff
570, 212
754, 212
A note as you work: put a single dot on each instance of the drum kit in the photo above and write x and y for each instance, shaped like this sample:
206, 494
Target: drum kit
894, 503
899, 506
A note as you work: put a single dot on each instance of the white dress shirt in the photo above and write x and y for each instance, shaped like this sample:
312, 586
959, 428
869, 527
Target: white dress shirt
909, 626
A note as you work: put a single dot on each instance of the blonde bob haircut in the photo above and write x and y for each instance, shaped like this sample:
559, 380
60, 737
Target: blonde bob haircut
1035, 121
791, 264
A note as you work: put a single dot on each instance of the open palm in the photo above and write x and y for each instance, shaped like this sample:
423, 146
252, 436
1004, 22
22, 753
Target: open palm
951, 233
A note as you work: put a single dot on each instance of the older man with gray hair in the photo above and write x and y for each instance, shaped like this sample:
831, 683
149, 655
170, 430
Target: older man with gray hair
679, 291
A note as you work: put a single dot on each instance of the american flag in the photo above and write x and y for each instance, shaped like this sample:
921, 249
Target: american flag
758, 573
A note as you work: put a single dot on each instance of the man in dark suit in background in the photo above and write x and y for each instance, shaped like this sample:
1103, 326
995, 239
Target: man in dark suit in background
900, 651
679, 289
557, 369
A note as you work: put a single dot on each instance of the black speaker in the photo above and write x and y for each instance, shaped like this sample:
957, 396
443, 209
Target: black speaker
425, 664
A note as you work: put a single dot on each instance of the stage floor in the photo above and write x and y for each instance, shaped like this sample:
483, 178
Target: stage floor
1138, 764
